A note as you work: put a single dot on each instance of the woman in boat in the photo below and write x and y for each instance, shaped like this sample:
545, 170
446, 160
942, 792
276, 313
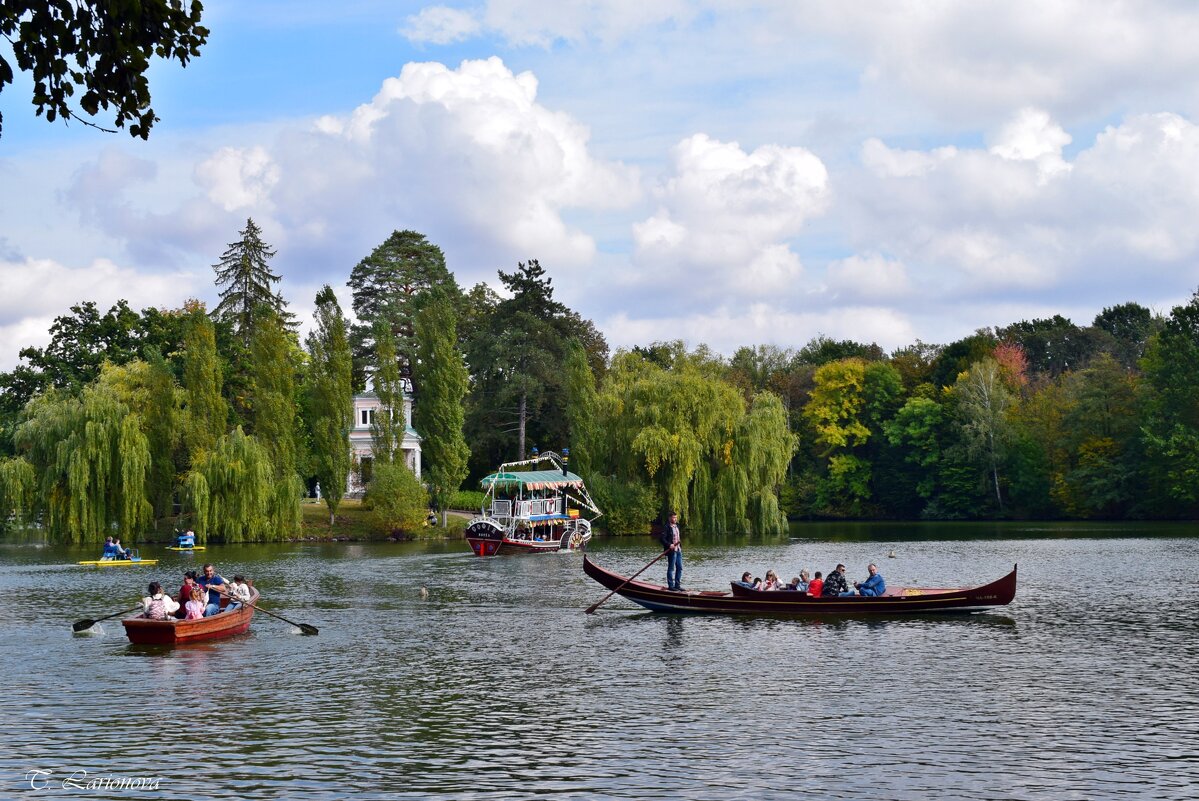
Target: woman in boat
158, 605
772, 581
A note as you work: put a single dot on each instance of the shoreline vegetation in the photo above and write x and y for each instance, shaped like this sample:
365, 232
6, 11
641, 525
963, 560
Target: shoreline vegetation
221, 420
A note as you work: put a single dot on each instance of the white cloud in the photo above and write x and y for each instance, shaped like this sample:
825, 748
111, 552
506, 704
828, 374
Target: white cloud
729, 214
467, 156
869, 276
441, 25
1019, 217
238, 178
38, 290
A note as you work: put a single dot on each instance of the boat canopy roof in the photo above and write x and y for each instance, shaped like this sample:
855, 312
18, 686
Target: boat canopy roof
533, 480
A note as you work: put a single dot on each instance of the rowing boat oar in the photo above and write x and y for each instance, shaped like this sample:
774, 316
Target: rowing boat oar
303, 627
86, 623
591, 609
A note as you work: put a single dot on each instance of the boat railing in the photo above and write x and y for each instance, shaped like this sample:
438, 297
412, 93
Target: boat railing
501, 508
536, 506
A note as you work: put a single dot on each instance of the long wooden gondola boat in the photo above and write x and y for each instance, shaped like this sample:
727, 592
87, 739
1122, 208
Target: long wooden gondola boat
743, 600
144, 631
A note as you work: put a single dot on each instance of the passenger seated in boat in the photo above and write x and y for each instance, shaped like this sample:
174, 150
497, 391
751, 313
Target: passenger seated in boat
158, 605
110, 550
800, 582
757, 585
122, 552
835, 584
873, 586
186, 539
215, 585
195, 606
816, 585
239, 593
772, 581
185, 592
747, 579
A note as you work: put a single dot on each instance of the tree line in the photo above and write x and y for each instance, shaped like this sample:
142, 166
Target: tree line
218, 419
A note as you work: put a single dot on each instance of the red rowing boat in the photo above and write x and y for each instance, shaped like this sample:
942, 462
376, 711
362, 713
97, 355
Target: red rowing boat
144, 631
742, 600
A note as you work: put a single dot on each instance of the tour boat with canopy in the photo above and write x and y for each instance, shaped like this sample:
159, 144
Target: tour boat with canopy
532, 506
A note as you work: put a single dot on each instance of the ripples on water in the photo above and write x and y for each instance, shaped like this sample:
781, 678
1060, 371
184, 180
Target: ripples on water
498, 686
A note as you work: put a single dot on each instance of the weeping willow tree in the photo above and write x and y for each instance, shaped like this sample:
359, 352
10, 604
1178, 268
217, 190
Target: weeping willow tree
91, 460
228, 490
17, 482
688, 434
148, 388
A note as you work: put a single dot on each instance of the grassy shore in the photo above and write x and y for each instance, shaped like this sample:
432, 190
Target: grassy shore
355, 522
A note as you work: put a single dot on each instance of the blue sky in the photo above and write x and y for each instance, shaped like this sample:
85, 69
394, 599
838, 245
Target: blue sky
725, 171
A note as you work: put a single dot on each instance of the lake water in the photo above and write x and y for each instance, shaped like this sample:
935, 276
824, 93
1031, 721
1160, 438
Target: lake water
497, 686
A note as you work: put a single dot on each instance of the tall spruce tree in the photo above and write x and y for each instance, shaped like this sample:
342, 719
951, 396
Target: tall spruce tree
274, 415
441, 375
330, 398
386, 286
248, 284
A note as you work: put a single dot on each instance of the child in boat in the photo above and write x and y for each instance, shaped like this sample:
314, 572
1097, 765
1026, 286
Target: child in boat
816, 585
158, 605
195, 607
185, 592
239, 593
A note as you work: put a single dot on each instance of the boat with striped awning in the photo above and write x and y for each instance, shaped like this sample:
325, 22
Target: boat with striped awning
531, 509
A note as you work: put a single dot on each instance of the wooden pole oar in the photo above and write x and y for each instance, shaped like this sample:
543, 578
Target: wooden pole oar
303, 627
591, 609
87, 623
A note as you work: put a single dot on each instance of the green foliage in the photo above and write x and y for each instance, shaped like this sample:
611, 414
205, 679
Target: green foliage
823, 350
387, 286
274, 417
582, 407
103, 49
517, 396
387, 429
397, 499
18, 483
248, 285
91, 460
469, 500
204, 409
330, 398
630, 507
442, 377
228, 492
689, 437
983, 405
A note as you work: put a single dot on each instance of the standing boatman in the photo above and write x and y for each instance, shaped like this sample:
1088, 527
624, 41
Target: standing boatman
674, 559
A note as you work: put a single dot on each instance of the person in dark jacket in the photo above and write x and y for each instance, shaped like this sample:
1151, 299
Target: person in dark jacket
835, 583
674, 559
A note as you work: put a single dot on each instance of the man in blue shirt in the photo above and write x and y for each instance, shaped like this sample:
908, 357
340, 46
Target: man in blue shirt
215, 585
873, 586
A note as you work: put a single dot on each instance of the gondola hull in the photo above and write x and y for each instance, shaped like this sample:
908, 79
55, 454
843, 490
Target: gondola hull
143, 631
746, 601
